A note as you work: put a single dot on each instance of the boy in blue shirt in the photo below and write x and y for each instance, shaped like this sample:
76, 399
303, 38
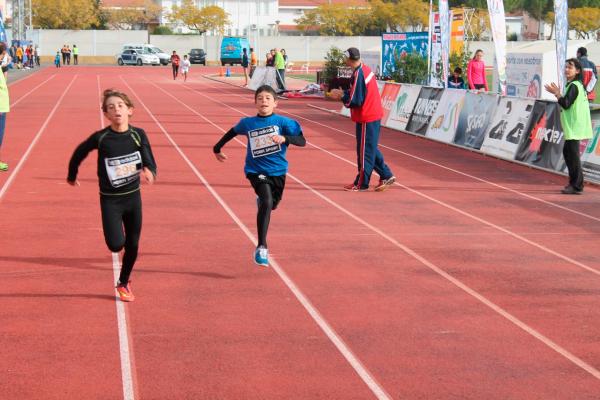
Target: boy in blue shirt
269, 136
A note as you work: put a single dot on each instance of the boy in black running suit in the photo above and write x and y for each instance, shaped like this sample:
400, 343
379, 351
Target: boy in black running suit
123, 154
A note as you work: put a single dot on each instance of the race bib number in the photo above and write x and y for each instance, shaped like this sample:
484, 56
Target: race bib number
123, 169
261, 141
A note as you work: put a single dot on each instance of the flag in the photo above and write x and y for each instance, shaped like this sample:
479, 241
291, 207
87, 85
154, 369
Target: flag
561, 26
498, 26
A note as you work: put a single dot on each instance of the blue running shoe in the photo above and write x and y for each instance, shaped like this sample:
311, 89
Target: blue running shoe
261, 256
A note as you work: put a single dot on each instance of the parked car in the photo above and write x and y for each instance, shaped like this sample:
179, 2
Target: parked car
231, 50
137, 57
149, 48
197, 56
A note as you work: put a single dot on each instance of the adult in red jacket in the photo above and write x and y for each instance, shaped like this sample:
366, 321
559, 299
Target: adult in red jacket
365, 109
590, 73
175, 64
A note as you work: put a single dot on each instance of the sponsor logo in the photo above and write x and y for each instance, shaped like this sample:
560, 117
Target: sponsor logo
426, 107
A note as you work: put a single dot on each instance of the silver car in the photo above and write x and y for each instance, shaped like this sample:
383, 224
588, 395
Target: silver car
137, 57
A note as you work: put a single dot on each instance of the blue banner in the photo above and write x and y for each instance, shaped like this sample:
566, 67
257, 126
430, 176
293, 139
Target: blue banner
397, 45
3, 37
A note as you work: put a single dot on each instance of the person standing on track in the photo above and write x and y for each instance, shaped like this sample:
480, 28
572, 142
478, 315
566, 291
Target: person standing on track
575, 120
123, 154
269, 136
364, 102
4, 108
175, 64
245, 63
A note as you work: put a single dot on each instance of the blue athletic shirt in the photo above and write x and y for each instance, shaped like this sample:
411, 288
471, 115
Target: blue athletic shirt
263, 156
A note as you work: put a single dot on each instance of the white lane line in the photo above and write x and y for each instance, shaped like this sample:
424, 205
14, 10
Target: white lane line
496, 308
125, 354
439, 202
339, 343
16, 170
126, 375
31, 91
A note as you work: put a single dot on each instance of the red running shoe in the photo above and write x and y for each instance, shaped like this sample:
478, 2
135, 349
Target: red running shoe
385, 183
125, 292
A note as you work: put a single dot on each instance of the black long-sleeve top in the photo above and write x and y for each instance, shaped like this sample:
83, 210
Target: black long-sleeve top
121, 158
569, 98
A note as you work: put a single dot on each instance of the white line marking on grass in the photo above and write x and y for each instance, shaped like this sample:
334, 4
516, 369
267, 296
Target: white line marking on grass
125, 354
499, 310
16, 170
342, 347
439, 202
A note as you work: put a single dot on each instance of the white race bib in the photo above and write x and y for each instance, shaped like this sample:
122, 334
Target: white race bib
261, 141
123, 169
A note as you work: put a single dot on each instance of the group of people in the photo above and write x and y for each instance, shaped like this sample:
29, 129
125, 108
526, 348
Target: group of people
276, 58
20, 57
178, 65
65, 54
125, 154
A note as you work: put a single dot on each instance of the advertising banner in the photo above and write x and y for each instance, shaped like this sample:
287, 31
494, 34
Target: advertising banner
590, 159
507, 127
3, 37
457, 31
498, 27
445, 34
561, 27
474, 119
396, 45
403, 106
435, 67
445, 119
544, 138
524, 75
425, 107
389, 95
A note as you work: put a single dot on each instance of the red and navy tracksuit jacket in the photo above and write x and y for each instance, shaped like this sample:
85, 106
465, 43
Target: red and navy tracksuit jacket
364, 102
590, 76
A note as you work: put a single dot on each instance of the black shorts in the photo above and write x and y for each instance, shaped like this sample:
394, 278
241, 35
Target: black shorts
4, 69
479, 86
277, 184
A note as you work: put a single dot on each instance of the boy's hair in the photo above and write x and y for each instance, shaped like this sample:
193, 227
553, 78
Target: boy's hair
458, 70
115, 93
582, 52
575, 62
265, 88
2, 47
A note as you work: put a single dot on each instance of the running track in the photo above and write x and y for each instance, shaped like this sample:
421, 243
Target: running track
470, 279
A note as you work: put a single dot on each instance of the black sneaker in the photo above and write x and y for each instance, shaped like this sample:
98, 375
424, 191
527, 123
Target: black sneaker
570, 190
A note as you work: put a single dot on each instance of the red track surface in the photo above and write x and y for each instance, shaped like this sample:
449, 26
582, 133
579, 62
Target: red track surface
443, 287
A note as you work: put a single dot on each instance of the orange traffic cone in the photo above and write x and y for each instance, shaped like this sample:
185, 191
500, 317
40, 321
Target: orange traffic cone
221, 71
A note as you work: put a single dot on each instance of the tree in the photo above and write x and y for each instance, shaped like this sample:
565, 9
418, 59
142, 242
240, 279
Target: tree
412, 14
330, 20
63, 14
211, 18
584, 20
139, 13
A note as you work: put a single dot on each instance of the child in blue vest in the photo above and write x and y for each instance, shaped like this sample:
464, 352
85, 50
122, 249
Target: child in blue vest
57, 59
269, 136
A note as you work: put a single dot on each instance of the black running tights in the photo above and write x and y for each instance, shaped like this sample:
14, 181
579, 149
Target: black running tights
122, 224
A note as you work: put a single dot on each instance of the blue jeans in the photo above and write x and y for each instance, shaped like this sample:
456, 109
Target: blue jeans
2, 126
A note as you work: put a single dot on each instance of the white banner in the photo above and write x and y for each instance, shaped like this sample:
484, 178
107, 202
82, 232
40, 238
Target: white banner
403, 106
561, 27
435, 68
507, 127
498, 27
445, 38
443, 123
